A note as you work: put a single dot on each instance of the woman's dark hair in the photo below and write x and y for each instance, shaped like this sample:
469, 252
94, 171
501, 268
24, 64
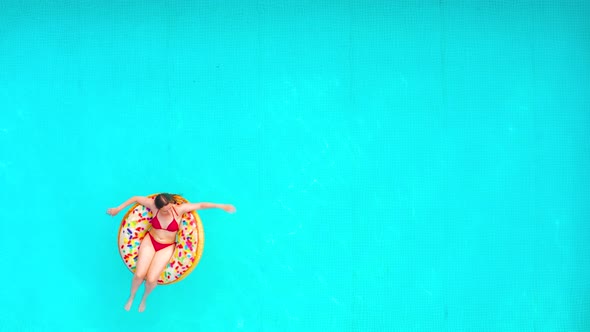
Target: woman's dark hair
162, 200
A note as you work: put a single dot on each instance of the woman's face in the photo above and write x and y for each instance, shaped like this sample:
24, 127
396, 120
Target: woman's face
167, 208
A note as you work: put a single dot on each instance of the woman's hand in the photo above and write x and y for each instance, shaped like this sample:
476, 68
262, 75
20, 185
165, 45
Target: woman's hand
113, 211
228, 208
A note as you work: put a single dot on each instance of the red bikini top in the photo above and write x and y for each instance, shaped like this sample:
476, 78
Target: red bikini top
172, 227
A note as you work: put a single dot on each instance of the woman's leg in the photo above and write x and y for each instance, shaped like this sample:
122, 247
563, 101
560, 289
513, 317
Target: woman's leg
144, 259
161, 259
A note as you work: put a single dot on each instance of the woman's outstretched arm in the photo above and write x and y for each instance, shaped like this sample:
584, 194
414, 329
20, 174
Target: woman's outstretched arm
145, 201
188, 207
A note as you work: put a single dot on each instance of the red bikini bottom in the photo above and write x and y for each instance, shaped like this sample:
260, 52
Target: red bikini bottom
157, 245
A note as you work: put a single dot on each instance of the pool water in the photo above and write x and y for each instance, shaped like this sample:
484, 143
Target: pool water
396, 166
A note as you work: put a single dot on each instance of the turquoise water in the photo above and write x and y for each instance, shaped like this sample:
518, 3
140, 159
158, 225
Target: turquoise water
396, 166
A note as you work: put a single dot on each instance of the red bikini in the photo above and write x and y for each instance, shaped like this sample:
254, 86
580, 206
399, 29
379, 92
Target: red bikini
172, 227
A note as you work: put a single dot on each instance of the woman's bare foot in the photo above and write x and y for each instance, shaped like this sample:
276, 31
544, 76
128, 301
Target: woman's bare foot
142, 306
129, 303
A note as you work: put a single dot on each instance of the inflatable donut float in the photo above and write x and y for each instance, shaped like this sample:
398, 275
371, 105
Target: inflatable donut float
190, 241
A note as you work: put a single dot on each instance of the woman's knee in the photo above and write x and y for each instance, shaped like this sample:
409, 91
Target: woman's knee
152, 280
139, 275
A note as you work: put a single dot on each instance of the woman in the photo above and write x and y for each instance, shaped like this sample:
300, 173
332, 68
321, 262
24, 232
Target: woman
157, 246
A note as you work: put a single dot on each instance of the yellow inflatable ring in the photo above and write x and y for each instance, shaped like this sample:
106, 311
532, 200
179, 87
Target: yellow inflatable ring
190, 241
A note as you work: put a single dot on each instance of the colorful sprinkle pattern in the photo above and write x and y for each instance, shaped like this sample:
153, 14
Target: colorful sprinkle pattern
133, 229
